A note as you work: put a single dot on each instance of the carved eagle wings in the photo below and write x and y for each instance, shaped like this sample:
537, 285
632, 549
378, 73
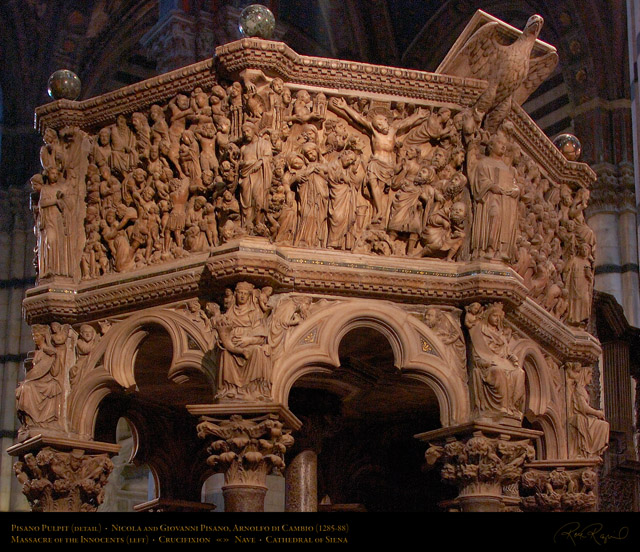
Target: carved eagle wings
508, 68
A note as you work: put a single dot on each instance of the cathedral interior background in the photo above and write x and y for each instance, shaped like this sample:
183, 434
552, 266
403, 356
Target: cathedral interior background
350, 412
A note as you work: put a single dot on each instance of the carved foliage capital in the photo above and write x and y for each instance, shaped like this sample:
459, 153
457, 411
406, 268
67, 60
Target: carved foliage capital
480, 464
246, 450
559, 490
55, 481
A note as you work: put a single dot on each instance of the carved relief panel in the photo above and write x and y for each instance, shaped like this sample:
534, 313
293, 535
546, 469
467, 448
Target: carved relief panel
261, 157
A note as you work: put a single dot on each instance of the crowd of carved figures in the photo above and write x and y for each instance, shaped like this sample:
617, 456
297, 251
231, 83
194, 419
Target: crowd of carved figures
303, 169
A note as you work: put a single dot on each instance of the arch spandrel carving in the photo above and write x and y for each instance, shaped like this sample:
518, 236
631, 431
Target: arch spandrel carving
402, 330
232, 225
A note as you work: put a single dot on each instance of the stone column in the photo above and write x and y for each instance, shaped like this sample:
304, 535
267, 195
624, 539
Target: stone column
482, 461
246, 451
302, 483
57, 477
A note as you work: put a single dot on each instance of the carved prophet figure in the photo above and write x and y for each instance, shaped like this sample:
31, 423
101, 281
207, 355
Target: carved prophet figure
495, 194
498, 379
588, 429
39, 396
244, 356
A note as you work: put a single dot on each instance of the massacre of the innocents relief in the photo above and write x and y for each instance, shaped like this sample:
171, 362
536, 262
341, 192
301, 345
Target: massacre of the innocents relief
340, 164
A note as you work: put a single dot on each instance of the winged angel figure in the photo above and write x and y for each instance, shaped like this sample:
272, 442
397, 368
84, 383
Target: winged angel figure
509, 69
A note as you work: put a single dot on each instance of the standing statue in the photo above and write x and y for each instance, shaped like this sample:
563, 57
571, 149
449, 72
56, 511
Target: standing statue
52, 226
342, 202
578, 277
495, 195
498, 378
255, 175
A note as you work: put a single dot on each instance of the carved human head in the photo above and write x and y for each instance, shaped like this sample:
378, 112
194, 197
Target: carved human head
309, 134
40, 334
439, 158
50, 136
139, 175
295, 161
497, 146
52, 175
182, 101
381, 123
495, 315
458, 211
426, 175
224, 124
104, 136
310, 151
411, 152
445, 114
302, 96
87, 332
248, 131
138, 120
243, 292
277, 85
286, 96
432, 317
228, 298
348, 157
156, 112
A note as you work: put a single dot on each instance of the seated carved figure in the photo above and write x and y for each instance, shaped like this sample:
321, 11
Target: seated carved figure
39, 396
244, 356
498, 379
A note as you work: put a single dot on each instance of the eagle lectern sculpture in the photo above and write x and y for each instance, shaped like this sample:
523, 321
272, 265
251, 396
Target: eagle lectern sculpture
237, 245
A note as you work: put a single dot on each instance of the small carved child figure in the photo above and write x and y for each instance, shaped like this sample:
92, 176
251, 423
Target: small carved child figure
211, 224
263, 298
275, 204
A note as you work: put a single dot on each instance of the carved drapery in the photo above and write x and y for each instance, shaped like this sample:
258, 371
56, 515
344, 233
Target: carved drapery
497, 377
256, 211
260, 156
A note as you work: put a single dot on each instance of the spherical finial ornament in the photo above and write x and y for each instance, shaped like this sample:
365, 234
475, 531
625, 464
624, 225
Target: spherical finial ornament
64, 84
257, 20
569, 146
